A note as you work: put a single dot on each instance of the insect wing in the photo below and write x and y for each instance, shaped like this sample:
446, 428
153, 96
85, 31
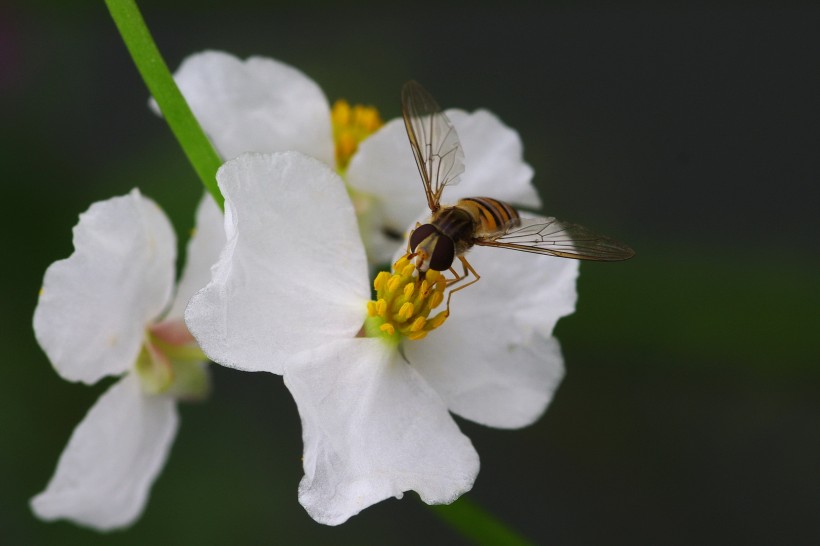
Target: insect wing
434, 141
557, 238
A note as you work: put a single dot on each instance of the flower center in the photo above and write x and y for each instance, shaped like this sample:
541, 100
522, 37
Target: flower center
404, 300
170, 362
351, 125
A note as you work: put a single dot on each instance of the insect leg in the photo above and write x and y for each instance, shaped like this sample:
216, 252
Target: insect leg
456, 276
467, 268
410, 252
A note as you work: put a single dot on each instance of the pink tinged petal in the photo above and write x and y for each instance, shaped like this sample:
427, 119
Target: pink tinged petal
493, 161
373, 429
494, 360
111, 460
293, 272
256, 105
94, 306
207, 241
172, 332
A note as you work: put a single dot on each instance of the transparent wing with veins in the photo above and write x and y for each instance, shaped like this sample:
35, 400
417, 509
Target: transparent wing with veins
557, 238
434, 141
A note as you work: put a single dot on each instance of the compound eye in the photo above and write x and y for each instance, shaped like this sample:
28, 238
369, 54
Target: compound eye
443, 254
420, 234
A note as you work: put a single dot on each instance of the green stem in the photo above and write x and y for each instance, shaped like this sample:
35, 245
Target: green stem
477, 524
161, 84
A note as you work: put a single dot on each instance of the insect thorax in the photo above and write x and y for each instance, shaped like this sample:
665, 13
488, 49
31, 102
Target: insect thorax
457, 223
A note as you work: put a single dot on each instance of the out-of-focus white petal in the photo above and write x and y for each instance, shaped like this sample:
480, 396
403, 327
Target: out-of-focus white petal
112, 459
493, 159
204, 247
256, 105
293, 272
383, 166
373, 429
494, 360
95, 305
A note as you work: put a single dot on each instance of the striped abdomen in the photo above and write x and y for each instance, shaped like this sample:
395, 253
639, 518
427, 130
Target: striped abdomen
492, 216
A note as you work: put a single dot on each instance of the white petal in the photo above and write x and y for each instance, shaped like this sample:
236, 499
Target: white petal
204, 247
533, 290
256, 105
293, 272
484, 377
493, 160
384, 167
493, 166
95, 305
373, 429
494, 360
112, 459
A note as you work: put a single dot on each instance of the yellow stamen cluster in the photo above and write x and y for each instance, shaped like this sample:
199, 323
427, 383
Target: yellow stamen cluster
351, 125
404, 300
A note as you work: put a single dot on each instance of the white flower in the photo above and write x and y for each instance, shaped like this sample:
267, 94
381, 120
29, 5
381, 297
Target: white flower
290, 294
383, 168
107, 310
263, 105
256, 105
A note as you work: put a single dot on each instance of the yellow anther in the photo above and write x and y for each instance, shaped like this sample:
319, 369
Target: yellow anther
424, 290
387, 328
418, 324
407, 270
406, 311
340, 113
380, 279
367, 117
393, 283
381, 308
345, 145
408, 290
395, 306
437, 320
350, 127
436, 299
371, 309
417, 335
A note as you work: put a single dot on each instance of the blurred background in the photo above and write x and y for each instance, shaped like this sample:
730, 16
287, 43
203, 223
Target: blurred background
690, 409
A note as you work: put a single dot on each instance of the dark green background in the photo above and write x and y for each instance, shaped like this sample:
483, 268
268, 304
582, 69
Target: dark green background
690, 409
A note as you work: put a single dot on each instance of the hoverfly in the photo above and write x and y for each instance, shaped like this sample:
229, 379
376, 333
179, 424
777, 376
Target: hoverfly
483, 221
